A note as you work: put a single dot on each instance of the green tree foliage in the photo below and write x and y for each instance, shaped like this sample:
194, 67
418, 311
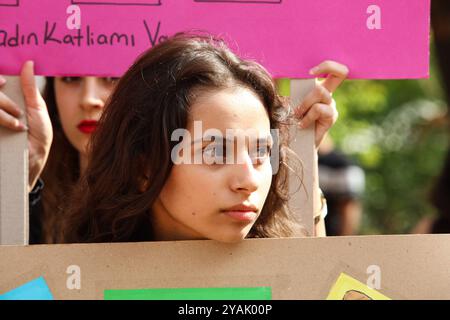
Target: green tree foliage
396, 131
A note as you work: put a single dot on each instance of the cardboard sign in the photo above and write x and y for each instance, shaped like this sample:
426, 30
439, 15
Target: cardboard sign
408, 267
13, 176
375, 38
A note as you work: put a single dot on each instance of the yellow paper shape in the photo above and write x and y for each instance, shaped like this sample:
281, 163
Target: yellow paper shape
348, 288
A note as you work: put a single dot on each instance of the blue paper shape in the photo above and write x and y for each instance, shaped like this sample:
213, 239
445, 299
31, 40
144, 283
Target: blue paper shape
36, 289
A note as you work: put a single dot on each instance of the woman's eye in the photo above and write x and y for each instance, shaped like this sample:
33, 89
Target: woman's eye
218, 154
70, 79
262, 153
214, 154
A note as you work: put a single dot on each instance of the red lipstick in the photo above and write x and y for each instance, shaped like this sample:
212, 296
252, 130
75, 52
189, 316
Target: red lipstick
87, 126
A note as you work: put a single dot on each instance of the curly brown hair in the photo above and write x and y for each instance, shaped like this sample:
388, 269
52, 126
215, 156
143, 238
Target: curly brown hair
60, 173
152, 100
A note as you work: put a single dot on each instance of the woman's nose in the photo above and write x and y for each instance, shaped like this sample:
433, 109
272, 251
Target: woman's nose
245, 178
92, 95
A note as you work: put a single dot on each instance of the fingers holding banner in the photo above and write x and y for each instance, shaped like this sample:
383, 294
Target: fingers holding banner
9, 111
33, 98
336, 74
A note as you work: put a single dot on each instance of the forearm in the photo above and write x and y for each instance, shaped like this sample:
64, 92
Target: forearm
350, 218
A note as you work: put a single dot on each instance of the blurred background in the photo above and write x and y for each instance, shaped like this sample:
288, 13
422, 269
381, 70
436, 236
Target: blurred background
388, 149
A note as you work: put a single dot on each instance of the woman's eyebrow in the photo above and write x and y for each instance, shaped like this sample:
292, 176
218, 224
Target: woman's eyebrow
208, 138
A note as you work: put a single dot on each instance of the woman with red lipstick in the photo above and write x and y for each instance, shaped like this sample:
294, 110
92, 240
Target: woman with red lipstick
141, 182
59, 129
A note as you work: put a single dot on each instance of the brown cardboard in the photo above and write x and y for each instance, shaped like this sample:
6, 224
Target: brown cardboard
302, 143
13, 176
412, 267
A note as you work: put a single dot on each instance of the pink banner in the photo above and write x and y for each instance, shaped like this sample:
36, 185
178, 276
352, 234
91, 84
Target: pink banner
375, 38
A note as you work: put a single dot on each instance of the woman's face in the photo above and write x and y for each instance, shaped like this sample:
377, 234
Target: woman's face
80, 102
197, 200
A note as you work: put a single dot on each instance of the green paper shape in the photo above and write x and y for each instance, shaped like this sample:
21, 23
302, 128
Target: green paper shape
257, 293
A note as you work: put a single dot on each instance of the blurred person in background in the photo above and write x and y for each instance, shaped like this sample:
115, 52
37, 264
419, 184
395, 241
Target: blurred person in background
342, 183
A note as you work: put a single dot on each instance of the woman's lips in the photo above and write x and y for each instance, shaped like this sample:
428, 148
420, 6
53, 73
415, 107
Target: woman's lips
241, 215
87, 126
